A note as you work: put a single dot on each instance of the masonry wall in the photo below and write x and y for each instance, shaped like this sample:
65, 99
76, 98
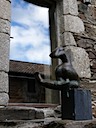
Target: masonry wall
19, 92
5, 18
88, 40
68, 25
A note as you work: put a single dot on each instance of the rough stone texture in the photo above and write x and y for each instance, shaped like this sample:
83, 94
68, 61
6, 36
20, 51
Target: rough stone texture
89, 45
91, 31
71, 24
20, 113
80, 61
4, 82
39, 114
90, 85
16, 114
4, 99
70, 7
93, 2
5, 18
71, 124
49, 123
4, 52
68, 39
4, 26
88, 40
5, 10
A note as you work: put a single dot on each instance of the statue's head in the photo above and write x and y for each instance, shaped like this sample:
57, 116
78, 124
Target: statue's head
58, 53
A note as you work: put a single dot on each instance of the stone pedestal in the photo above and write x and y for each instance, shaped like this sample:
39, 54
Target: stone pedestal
76, 104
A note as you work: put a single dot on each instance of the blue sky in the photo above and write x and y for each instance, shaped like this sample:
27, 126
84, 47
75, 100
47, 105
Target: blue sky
30, 32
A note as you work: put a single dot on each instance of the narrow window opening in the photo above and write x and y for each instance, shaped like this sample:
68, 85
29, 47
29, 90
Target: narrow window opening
29, 49
30, 40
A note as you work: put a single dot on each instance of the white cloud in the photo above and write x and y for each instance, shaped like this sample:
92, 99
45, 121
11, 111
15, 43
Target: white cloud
37, 54
30, 32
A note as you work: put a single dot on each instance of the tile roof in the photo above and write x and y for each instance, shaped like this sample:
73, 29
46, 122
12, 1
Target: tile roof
26, 67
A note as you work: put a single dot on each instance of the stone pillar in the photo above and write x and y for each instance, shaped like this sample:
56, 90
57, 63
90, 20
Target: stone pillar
5, 14
50, 94
68, 24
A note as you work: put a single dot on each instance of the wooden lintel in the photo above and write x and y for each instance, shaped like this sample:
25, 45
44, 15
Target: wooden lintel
42, 3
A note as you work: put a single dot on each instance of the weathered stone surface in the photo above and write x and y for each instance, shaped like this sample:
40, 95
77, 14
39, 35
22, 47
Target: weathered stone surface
17, 113
88, 43
4, 98
4, 82
4, 26
70, 7
90, 85
49, 123
73, 24
90, 14
80, 61
92, 54
5, 9
72, 124
68, 39
93, 64
48, 112
94, 2
39, 114
91, 30
85, 43
20, 113
4, 52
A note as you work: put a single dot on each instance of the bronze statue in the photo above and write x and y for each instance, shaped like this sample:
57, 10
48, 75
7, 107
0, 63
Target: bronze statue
73, 98
66, 75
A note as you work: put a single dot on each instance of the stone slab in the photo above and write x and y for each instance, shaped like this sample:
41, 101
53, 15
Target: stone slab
4, 26
20, 113
4, 82
71, 23
49, 122
70, 7
68, 39
5, 9
4, 52
4, 98
80, 61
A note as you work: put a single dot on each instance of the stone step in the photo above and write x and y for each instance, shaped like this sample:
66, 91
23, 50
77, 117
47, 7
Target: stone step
20, 113
35, 105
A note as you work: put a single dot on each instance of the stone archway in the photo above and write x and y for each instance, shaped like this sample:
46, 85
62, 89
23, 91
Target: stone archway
64, 23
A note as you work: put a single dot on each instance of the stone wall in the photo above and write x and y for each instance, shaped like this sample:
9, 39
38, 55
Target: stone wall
5, 18
87, 40
68, 25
